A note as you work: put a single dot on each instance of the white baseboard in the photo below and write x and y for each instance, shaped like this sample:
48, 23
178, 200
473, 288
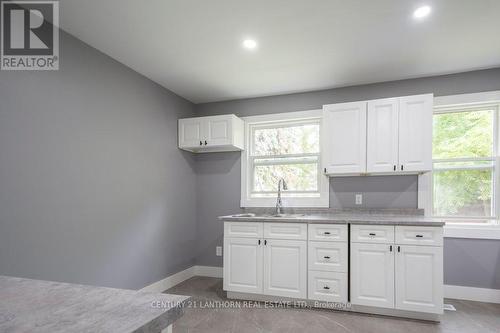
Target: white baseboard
210, 271
472, 294
175, 279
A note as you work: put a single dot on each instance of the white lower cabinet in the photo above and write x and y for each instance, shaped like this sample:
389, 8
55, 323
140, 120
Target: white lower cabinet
390, 267
264, 265
397, 275
285, 268
327, 286
372, 275
243, 260
419, 278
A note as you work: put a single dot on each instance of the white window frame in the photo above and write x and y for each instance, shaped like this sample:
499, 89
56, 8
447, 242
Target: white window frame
247, 170
458, 227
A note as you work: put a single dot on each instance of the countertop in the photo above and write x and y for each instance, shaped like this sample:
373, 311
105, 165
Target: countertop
342, 218
43, 306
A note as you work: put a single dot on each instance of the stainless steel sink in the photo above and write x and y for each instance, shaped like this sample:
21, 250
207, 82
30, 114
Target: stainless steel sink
244, 215
288, 216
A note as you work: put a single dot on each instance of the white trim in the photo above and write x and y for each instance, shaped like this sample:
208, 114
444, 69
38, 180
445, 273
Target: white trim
209, 271
170, 281
298, 115
489, 231
451, 230
472, 294
324, 185
175, 279
482, 97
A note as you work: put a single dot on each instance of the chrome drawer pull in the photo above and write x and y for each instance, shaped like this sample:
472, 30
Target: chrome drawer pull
326, 287
372, 234
326, 232
326, 257
419, 236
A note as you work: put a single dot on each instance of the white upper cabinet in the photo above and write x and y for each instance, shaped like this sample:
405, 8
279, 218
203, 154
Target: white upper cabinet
344, 138
382, 137
190, 132
211, 134
391, 135
415, 133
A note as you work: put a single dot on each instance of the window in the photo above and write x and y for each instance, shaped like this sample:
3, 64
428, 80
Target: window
288, 149
464, 173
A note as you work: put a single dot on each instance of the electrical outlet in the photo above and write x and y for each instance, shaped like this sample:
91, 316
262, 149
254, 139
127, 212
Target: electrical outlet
218, 251
359, 199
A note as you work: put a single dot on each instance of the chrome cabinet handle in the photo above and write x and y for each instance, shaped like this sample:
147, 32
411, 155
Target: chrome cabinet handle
206, 143
326, 233
372, 234
201, 143
326, 287
419, 236
326, 257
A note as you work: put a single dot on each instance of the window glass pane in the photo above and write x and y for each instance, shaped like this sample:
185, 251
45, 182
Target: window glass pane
294, 139
299, 177
463, 192
463, 134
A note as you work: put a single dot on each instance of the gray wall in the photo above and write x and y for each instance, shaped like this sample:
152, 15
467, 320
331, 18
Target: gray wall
219, 174
93, 188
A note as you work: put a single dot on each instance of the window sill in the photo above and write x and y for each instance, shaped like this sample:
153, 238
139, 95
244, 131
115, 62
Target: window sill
471, 231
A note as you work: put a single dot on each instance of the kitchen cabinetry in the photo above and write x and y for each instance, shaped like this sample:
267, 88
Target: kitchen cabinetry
243, 260
211, 134
372, 275
285, 267
384, 136
327, 262
266, 258
389, 273
344, 138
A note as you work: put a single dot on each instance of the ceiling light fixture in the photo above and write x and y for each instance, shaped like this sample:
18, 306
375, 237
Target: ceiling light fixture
421, 12
249, 44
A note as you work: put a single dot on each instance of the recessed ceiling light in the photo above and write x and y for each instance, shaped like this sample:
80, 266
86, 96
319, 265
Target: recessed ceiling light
421, 12
249, 44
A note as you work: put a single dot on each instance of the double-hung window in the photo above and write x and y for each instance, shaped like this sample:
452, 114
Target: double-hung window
465, 170
287, 149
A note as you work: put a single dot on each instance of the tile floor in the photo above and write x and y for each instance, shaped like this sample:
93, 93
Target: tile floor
470, 317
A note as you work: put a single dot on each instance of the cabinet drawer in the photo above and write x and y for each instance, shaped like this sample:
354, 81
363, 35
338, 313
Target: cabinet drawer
328, 232
372, 234
416, 235
327, 286
243, 229
285, 231
327, 256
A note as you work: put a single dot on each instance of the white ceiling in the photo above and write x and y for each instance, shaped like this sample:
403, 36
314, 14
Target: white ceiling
193, 47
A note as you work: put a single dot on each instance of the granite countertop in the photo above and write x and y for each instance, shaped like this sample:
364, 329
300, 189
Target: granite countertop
43, 306
340, 218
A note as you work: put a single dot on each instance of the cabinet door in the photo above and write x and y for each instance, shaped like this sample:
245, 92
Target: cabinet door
218, 130
191, 133
285, 268
415, 133
344, 138
419, 278
243, 260
382, 140
372, 275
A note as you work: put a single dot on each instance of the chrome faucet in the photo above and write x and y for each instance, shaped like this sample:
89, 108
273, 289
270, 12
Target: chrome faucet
279, 204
